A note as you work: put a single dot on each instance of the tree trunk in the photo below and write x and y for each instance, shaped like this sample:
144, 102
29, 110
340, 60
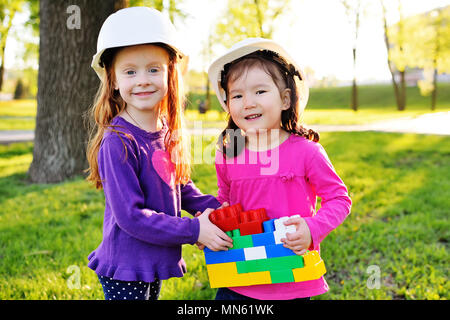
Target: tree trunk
208, 96
390, 65
402, 95
1, 73
3, 38
434, 92
354, 96
354, 85
66, 86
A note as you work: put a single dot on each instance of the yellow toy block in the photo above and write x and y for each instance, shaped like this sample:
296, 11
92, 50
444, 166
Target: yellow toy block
226, 275
314, 267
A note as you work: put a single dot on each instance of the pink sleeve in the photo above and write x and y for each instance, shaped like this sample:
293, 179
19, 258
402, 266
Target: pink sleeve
223, 184
335, 204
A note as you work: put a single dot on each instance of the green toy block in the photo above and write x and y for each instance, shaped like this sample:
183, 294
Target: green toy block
280, 276
270, 264
240, 242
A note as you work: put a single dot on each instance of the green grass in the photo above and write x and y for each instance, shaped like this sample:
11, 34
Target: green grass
325, 106
18, 115
399, 222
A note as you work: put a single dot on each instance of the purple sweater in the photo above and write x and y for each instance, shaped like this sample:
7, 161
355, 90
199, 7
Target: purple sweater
143, 229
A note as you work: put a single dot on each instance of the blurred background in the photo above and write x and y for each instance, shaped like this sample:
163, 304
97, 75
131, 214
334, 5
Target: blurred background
379, 70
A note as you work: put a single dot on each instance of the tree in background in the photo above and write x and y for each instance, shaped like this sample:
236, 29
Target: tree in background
19, 90
172, 7
206, 54
353, 10
430, 48
66, 85
248, 18
8, 10
395, 40
419, 42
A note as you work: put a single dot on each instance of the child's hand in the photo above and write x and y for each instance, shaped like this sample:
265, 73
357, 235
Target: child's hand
202, 246
225, 204
198, 244
210, 235
300, 240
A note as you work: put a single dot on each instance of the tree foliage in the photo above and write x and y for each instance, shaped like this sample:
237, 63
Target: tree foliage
8, 10
248, 18
172, 7
423, 43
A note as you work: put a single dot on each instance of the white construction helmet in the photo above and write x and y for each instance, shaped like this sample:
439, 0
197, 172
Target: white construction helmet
244, 48
134, 26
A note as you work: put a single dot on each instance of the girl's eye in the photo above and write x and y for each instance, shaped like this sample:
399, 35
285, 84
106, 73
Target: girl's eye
260, 91
153, 70
130, 72
236, 96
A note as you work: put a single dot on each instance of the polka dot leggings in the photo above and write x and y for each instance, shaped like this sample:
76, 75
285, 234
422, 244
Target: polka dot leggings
129, 290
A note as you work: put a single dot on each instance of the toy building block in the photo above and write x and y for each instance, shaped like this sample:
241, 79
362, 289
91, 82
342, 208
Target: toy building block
281, 276
212, 257
255, 253
281, 229
257, 256
226, 275
239, 241
263, 239
251, 221
226, 218
270, 264
269, 226
278, 250
314, 267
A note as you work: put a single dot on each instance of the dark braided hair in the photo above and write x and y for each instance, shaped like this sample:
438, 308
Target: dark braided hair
231, 141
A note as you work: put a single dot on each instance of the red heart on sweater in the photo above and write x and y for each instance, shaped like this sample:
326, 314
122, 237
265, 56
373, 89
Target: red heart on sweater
164, 167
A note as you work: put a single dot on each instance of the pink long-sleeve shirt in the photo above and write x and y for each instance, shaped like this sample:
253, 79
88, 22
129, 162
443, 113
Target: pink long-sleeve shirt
286, 180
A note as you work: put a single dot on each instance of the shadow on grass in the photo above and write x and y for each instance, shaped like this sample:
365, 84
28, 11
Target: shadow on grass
399, 220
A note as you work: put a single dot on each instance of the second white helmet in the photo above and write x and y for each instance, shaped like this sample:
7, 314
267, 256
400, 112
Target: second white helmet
244, 48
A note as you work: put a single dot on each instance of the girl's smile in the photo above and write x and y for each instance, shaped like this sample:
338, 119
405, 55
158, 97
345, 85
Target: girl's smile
253, 117
144, 94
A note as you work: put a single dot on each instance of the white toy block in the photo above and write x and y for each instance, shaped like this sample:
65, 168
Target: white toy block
281, 229
279, 223
255, 253
278, 235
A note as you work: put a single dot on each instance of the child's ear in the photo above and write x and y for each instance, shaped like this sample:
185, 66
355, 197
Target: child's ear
286, 98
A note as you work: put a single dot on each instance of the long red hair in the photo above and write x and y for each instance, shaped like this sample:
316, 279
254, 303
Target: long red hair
108, 104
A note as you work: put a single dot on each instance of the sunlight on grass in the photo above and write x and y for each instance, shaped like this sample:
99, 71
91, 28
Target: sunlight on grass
399, 222
18, 108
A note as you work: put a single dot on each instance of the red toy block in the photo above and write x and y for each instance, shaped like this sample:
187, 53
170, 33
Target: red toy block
226, 218
251, 221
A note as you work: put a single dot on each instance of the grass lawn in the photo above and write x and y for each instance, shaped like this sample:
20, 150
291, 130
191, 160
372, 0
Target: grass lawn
399, 184
331, 105
325, 106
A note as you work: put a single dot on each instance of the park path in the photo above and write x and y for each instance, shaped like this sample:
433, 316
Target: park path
430, 123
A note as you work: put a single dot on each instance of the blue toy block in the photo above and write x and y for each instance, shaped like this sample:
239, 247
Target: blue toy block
212, 257
269, 226
263, 239
277, 250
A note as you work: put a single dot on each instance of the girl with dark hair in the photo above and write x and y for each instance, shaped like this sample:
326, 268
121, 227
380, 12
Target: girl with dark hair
267, 159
